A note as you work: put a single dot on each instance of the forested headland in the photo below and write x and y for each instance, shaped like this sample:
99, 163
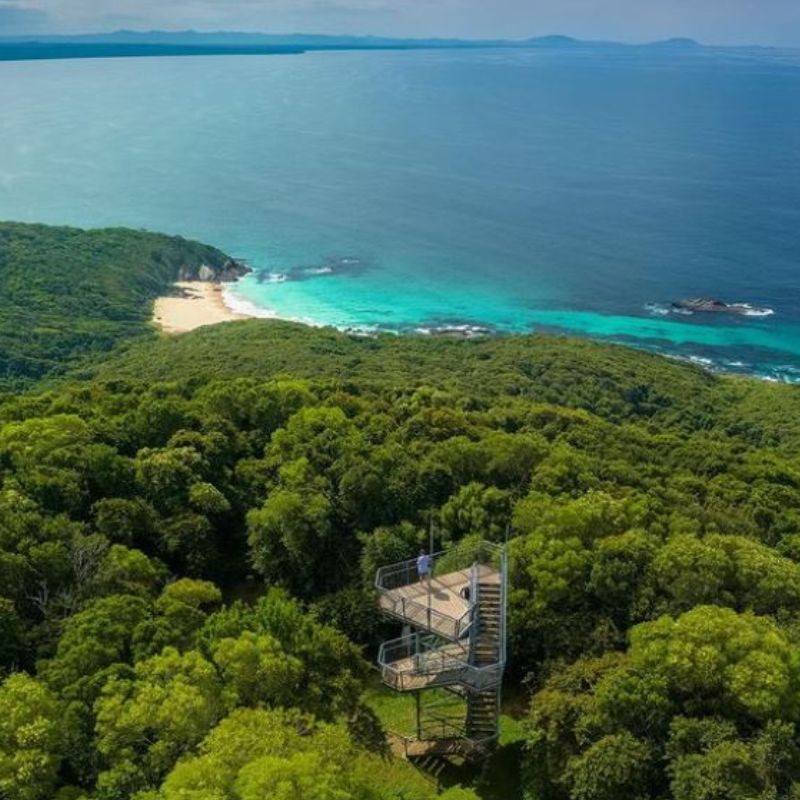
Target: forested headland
66, 293
189, 529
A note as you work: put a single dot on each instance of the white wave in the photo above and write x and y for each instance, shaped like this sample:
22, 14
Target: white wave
706, 362
464, 329
656, 310
239, 305
758, 312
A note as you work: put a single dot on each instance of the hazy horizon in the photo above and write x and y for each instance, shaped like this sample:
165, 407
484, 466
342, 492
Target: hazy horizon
714, 22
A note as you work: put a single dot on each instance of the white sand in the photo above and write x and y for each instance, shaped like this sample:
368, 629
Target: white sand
197, 305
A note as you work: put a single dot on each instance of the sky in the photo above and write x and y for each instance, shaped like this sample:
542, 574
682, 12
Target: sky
769, 22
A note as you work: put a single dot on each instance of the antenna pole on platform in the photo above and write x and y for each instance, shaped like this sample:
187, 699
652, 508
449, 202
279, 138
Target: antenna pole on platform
430, 556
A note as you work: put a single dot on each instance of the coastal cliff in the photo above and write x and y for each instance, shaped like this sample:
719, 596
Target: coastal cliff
227, 272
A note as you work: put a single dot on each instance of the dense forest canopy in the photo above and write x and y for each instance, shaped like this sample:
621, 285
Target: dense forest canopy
189, 529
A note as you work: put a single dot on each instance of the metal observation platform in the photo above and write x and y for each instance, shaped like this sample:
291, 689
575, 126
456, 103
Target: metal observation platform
454, 640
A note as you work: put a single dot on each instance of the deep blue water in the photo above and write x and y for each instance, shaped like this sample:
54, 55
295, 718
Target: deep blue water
569, 191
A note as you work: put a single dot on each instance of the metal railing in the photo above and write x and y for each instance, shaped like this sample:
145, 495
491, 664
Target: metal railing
416, 612
503, 606
435, 728
424, 616
404, 573
462, 557
470, 551
443, 737
421, 661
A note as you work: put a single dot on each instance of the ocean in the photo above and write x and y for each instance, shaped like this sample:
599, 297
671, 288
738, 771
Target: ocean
575, 191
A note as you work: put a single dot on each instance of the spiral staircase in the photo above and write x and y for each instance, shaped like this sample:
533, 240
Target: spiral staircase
455, 641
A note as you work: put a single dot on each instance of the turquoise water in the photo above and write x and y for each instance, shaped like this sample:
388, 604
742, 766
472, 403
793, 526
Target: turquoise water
569, 191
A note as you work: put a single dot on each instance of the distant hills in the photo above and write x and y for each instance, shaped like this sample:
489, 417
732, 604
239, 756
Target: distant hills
127, 43
317, 41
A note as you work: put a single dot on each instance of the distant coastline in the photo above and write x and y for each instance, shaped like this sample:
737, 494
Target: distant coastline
48, 51
144, 44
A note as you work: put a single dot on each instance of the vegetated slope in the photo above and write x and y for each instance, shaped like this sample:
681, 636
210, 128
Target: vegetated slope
655, 555
65, 292
614, 382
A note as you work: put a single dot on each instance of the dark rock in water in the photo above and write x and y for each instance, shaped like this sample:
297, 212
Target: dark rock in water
705, 305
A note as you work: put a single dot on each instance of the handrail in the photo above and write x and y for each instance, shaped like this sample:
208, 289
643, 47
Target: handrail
404, 573
417, 613
462, 745
450, 730
427, 658
405, 570
503, 606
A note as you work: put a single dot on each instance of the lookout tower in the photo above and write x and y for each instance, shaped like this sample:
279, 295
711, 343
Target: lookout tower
457, 642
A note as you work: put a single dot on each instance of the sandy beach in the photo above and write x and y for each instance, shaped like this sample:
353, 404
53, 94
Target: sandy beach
198, 304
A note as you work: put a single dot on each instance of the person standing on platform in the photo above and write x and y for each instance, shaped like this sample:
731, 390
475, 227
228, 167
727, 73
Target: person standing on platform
423, 566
